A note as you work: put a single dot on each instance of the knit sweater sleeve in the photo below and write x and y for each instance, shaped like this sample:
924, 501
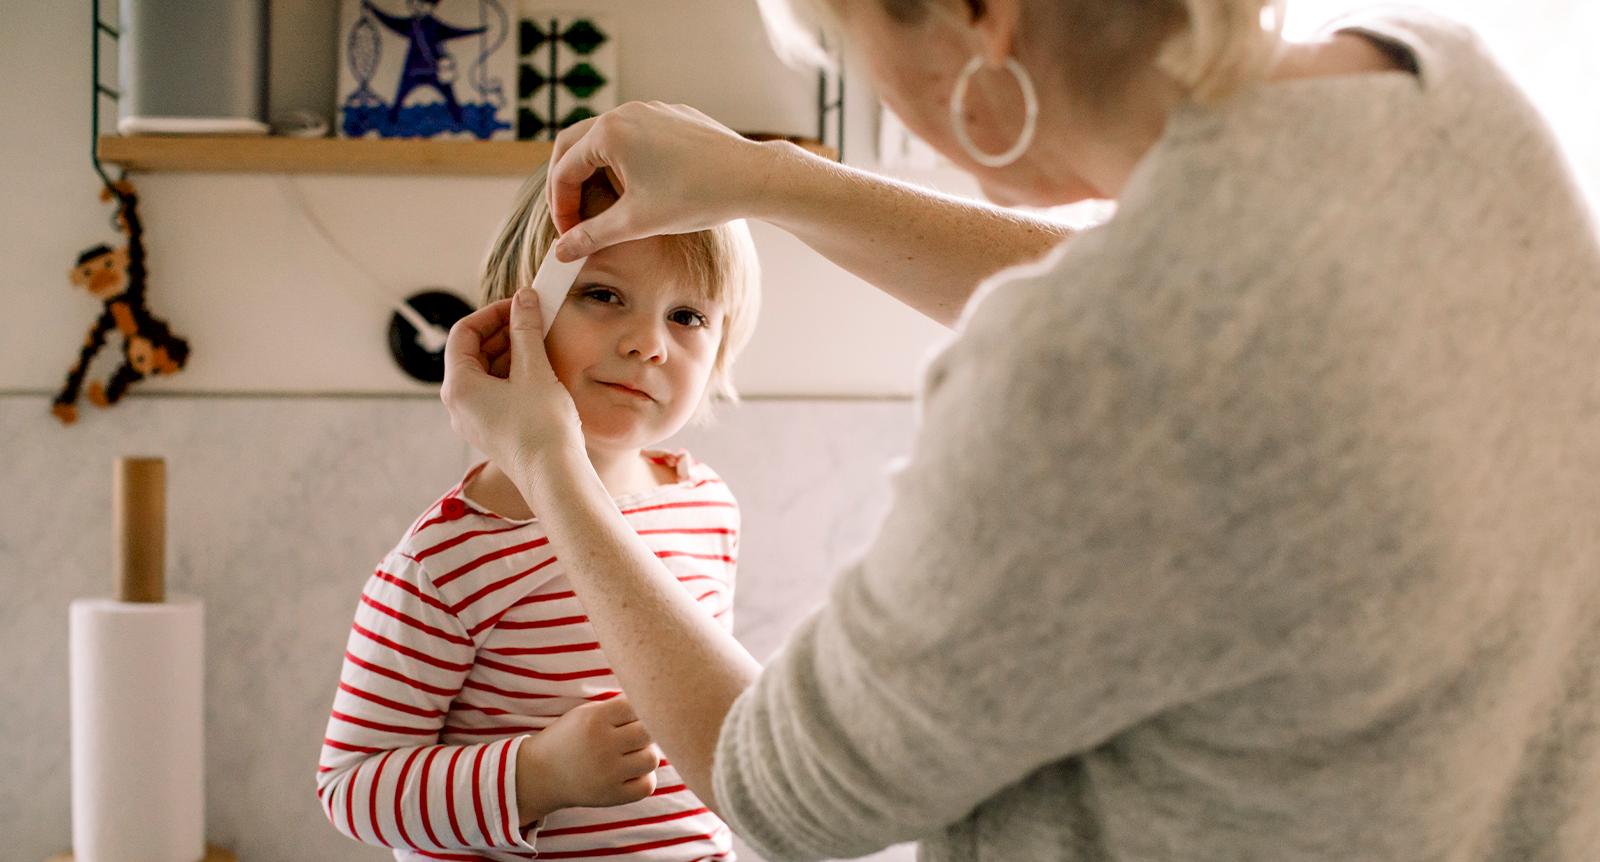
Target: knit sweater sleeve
1033, 591
1233, 526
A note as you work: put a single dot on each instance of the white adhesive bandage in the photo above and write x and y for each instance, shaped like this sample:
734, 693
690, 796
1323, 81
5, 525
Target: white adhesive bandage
552, 282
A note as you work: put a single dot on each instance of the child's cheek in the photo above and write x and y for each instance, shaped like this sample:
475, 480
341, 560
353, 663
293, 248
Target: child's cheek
560, 358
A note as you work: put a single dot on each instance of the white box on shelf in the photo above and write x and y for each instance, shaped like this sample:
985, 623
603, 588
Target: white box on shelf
192, 67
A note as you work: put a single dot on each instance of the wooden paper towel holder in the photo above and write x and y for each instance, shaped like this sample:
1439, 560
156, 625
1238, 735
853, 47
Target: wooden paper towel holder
139, 529
139, 532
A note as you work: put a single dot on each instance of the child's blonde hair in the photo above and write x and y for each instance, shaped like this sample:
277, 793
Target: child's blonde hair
721, 260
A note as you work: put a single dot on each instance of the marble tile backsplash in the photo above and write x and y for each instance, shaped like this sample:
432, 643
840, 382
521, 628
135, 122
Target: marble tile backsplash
278, 508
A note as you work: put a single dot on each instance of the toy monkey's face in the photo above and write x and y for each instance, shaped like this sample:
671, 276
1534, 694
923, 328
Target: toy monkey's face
105, 275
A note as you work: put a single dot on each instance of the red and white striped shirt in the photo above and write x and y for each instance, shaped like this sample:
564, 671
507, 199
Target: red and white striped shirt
468, 638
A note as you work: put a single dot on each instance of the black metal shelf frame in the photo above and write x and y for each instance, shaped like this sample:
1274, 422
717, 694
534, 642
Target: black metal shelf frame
830, 99
101, 30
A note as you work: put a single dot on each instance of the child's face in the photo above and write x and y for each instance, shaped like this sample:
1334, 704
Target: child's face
634, 344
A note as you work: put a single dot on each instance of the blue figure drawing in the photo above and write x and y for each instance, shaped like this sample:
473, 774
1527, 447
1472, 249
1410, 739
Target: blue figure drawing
427, 64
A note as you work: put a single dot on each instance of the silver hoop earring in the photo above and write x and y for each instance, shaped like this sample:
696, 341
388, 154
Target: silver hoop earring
1030, 119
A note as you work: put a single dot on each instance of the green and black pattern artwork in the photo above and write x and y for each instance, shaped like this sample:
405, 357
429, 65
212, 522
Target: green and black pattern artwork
566, 74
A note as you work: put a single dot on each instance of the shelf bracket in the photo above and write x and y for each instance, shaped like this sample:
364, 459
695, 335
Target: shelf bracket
830, 99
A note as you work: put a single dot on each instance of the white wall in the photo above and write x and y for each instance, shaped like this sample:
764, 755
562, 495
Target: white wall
271, 311
277, 510
1551, 47
268, 307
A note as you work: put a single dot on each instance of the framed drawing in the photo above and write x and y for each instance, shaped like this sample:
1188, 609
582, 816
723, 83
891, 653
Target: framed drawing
427, 68
567, 70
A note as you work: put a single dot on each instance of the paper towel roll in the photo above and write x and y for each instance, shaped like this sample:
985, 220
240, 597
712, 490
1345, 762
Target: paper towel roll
138, 779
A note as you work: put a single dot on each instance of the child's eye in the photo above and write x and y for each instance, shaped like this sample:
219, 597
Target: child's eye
601, 294
688, 317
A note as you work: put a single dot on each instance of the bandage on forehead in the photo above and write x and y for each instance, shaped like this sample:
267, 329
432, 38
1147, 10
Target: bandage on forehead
554, 279
552, 283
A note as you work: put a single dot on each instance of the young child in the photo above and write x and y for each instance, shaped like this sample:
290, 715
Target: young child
476, 716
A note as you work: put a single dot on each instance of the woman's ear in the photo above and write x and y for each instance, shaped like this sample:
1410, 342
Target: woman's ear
994, 23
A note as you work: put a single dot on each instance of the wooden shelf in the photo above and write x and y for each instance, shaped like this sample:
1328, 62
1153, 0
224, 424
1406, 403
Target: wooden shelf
218, 154
225, 154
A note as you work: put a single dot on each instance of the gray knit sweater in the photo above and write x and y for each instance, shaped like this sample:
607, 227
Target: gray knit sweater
1259, 523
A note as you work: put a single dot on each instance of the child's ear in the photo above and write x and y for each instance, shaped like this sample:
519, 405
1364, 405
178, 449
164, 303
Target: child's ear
599, 193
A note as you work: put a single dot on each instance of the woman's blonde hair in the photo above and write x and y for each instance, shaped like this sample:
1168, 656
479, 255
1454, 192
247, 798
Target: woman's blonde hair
720, 260
1211, 47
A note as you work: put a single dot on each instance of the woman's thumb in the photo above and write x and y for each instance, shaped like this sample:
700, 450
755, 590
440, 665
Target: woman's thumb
527, 330
591, 235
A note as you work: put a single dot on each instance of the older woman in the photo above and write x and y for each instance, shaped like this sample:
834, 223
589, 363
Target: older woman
1259, 522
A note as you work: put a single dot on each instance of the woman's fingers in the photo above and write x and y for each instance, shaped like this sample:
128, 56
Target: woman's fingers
500, 366
467, 369
565, 180
587, 237
676, 169
589, 152
477, 330
497, 343
502, 340
526, 333
496, 353
464, 352
567, 137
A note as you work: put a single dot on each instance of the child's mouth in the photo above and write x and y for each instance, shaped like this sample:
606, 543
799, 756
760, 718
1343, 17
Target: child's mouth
625, 389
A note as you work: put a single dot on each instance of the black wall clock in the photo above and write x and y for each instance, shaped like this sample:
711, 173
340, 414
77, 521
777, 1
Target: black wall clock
438, 307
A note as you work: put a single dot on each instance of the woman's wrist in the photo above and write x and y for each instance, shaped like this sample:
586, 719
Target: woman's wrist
540, 474
777, 172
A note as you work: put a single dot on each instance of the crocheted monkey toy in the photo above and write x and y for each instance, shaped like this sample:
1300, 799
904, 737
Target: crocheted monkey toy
116, 277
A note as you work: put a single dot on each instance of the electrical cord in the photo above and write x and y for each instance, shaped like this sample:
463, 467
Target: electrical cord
430, 336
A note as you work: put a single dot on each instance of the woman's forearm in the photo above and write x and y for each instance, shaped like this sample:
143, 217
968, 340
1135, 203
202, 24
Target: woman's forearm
679, 171
680, 669
926, 249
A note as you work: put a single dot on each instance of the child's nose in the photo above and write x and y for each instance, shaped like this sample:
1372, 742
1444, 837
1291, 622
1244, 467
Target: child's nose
645, 340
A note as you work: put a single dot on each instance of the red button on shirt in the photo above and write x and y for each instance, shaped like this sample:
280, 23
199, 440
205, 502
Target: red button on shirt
452, 508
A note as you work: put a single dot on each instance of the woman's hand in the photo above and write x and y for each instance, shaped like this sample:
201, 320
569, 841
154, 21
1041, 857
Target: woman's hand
502, 395
677, 171
594, 756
